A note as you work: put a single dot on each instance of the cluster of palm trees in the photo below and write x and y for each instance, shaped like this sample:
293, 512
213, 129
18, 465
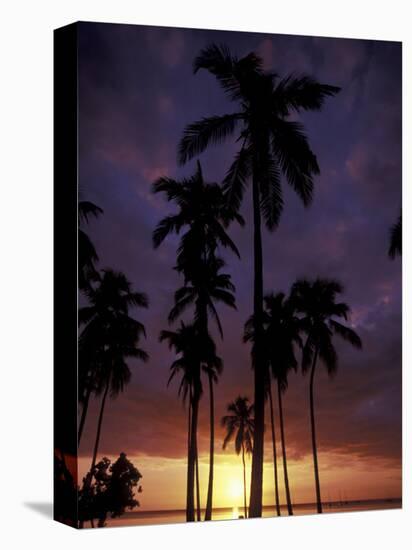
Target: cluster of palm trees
202, 218
272, 148
305, 320
110, 336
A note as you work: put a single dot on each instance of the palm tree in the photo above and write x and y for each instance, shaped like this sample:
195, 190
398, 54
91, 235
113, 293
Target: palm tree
213, 371
275, 460
201, 209
207, 286
87, 255
281, 333
316, 300
192, 350
395, 247
239, 425
282, 329
124, 335
271, 145
90, 355
114, 333
248, 336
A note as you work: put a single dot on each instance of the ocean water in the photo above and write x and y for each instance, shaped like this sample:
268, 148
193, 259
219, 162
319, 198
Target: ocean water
178, 516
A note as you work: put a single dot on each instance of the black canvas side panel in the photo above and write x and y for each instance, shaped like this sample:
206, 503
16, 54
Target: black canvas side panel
65, 275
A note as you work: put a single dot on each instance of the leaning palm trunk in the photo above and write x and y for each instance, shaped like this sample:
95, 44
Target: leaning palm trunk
244, 480
209, 503
275, 466
314, 446
99, 427
84, 414
89, 476
285, 465
259, 374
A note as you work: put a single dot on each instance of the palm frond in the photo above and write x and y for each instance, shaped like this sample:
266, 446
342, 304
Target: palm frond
87, 209
166, 226
297, 161
346, 333
271, 200
199, 135
395, 246
236, 179
179, 308
301, 93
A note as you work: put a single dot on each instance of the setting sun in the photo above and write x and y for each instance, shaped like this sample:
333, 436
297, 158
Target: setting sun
235, 489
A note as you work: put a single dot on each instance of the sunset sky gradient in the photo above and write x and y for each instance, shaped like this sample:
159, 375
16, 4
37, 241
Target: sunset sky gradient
137, 92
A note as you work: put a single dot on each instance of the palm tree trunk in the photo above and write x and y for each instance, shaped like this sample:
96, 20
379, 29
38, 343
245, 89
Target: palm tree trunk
285, 465
84, 414
275, 465
99, 427
189, 421
189, 447
89, 476
244, 480
198, 517
190, 497
209, 503
259, 374
314, 447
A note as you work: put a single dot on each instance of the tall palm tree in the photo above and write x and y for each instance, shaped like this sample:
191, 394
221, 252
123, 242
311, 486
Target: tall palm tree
316, 300
395, 246
124, 335
206, 287
281, 333
282, 328
271, 145
90, 360
186, 345
87, 255
203, 213
213, 372
239, 425
249, 337
115, 334
192, 349
275, 460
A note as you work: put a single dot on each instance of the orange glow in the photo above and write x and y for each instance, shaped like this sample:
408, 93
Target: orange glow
343, 477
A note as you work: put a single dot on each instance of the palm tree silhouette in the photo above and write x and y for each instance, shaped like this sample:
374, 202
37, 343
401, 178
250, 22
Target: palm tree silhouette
207, 286
185, 343
395, 246
90, 356
248, 336
316, 300
240, 426
281, 335
87, 255
273, 433
107, 322
271, 145
192, 349
202, 209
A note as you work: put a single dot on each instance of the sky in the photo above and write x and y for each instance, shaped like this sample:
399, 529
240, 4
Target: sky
137, 91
